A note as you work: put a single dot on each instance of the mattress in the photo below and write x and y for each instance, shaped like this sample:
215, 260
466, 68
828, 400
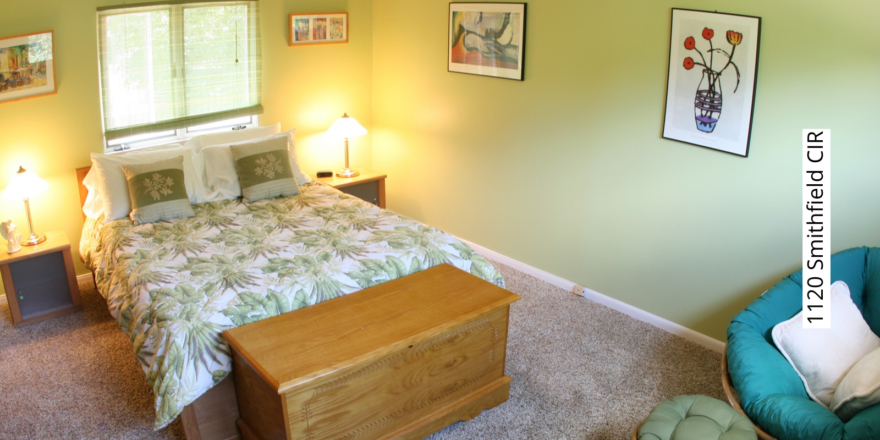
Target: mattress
175, 286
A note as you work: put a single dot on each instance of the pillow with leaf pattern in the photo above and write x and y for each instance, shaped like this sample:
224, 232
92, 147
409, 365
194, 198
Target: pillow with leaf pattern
263, 169
157, 191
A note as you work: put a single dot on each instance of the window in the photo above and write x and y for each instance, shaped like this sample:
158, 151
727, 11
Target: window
173, 70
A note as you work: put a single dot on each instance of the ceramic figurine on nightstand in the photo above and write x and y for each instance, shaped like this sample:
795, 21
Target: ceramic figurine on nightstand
8, 230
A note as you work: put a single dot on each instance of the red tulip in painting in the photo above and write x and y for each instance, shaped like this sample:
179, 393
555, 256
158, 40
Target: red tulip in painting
707, 103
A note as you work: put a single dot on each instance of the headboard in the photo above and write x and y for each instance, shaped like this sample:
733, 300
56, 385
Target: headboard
83, 192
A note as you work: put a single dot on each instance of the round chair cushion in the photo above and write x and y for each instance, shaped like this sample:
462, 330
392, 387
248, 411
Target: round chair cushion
696, 418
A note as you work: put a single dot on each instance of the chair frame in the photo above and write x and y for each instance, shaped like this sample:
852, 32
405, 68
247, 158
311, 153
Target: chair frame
733, 398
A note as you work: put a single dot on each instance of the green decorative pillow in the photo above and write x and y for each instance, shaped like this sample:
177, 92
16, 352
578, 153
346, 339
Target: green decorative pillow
263, 168
157, 191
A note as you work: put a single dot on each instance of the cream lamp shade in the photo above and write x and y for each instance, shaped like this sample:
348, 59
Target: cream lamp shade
346, 127
22, 186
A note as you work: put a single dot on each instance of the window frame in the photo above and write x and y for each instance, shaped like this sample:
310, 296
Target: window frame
181, 135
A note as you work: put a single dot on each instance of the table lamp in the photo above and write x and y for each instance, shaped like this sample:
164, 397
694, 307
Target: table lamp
23, 185
346, 127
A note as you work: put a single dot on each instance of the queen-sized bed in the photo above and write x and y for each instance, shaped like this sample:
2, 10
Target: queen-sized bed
175, 285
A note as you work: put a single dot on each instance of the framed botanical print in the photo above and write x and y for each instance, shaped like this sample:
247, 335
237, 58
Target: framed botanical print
324, 28
27, 66
710, 90
487, 39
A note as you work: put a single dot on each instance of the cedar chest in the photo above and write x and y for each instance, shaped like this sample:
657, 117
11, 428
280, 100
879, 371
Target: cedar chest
402, 359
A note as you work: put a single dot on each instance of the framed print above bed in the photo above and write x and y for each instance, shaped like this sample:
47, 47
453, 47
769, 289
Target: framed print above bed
27, 66
710, 89
322, 28
487, 39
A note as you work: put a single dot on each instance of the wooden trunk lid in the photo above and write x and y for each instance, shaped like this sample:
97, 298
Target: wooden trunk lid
298, 347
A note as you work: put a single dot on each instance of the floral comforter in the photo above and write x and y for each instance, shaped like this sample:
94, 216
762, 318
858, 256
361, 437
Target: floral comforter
175, 286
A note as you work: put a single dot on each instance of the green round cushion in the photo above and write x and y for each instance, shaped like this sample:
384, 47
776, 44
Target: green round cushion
696, 418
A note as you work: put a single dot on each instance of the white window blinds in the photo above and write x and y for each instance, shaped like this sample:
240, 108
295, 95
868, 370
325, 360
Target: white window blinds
177, 64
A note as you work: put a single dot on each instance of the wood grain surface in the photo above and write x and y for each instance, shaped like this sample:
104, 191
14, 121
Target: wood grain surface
401, 359
303, 345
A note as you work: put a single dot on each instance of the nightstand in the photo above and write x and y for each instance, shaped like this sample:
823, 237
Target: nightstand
369, 186
40, 281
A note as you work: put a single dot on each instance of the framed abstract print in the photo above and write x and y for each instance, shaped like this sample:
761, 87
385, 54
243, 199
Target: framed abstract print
710, 89
487, 39
324, 28
27, 66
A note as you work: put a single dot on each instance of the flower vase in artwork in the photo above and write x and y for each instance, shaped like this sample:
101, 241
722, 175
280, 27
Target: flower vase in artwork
707, 103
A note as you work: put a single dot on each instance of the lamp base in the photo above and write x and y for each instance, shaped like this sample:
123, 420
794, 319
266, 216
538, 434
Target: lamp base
33, 240
347, 173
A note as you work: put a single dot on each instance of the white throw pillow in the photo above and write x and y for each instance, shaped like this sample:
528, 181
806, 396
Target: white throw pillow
221, 179
232, 136
113, 188
859, 389
822, 357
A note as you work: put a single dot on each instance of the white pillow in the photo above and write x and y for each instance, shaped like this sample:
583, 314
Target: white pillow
221, 178
859, 389
822, 357
94, 205
301, 177
113, 188
232, 136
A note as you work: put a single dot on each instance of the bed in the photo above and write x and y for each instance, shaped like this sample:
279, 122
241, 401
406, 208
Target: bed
174, 286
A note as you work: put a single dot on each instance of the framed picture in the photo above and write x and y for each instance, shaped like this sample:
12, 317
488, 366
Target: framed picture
27, 66
710, 90
487, 39
324, 28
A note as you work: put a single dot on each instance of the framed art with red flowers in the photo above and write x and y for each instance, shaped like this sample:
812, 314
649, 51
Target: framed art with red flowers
487, 39
710, 90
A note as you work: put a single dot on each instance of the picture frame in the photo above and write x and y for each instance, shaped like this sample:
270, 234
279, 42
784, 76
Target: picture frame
27, 66
487, 39
320, 28
712, 78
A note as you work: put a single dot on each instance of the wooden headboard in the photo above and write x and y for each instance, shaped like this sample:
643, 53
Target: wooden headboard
83, 192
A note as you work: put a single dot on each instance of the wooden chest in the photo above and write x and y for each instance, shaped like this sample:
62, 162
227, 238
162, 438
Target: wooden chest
402, 359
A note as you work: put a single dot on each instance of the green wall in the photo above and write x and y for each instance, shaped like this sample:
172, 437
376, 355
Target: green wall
565, 171
304, 87
568, 172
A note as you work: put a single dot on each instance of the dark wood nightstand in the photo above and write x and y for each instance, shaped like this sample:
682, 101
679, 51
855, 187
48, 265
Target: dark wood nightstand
40, 281
369, 186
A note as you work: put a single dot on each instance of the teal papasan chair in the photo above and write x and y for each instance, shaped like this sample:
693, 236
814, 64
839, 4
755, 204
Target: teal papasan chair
766, 388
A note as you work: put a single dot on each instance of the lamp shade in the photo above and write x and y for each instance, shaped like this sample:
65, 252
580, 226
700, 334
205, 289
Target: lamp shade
346, 127
23, 185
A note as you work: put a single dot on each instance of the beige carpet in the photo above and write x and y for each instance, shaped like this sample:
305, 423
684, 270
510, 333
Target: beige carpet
580, 371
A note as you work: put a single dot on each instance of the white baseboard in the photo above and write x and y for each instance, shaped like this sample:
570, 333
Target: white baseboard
627, 309
620, 306
84, 277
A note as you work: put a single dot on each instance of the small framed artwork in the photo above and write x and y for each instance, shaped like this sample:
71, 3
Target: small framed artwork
710, 90
27, 66
324, 28
487, 39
